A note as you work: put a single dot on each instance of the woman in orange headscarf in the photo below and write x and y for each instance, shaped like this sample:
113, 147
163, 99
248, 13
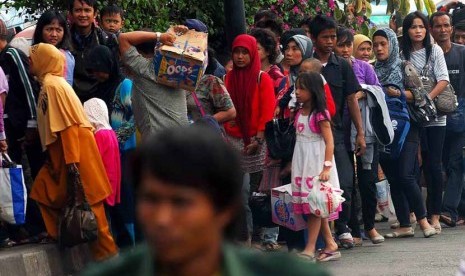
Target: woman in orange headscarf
66, 135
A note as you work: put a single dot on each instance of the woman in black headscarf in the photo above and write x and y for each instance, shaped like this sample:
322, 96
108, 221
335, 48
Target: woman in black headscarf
116, 91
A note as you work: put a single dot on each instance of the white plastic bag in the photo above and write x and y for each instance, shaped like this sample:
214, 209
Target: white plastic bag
383, 196
323, 199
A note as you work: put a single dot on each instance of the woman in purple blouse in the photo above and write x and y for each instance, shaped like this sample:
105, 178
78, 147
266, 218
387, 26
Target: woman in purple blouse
367, 165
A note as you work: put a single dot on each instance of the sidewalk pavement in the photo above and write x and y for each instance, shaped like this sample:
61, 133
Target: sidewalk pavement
438, 255
42, 260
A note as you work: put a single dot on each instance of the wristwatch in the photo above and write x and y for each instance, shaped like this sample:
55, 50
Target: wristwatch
158, 36
328, 164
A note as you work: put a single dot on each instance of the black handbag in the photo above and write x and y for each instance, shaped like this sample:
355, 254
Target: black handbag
77, 223
280, 138
260, 205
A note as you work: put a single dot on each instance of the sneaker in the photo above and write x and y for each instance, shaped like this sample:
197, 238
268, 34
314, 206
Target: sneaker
346, 240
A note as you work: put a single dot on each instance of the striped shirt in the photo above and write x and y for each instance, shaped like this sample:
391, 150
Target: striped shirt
437, 70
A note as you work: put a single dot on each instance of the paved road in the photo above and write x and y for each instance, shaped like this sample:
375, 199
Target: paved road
438, 255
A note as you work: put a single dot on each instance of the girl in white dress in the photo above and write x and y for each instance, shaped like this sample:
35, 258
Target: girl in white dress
313, 159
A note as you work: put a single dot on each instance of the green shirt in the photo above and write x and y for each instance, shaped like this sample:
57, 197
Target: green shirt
236, 262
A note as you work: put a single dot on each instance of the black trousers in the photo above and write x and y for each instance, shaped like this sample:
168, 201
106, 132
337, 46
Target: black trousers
366, 180
402, 176
345, 172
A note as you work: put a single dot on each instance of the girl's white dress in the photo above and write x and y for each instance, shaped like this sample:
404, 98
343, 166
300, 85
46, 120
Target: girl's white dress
307, 162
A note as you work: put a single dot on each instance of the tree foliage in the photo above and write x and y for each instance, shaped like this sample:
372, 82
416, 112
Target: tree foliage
160, 14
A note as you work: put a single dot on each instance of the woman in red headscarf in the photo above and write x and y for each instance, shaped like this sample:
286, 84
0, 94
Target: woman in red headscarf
252, 93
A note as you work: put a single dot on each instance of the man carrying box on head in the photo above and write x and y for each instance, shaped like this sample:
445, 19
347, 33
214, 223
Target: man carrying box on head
155, 106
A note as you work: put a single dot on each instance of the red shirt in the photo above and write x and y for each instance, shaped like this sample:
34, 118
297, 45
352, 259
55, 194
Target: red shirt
263, 104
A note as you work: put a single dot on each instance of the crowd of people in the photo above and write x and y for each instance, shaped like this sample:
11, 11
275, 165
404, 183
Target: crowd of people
83, 105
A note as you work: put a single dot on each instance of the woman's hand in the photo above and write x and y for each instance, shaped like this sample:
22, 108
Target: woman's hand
3, 146
393, 92
277, 111
252, 148
324, 175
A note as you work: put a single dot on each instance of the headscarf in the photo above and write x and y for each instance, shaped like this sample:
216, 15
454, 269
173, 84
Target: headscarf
358, 40
390, 70
242, 83
58, 106
101, 59
97, 113
306, 47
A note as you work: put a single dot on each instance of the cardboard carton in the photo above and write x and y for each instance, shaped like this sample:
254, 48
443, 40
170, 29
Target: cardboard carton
183, 64
282, 209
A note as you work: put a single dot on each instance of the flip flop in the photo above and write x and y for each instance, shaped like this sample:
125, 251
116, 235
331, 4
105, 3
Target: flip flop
329, 256
395, 235
307, 257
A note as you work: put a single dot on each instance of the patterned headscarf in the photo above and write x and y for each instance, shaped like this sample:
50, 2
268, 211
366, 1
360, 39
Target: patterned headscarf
390, 70
97, 113
306, 47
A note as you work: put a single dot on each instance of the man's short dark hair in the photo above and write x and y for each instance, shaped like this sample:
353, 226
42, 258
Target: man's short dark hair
265, 15
460, 26
438, 14
92, 3
111, 10
275, 26
194, 157
305, 22
321, 23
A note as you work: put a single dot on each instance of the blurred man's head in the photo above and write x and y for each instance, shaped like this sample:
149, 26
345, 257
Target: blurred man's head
189, 191
459, 33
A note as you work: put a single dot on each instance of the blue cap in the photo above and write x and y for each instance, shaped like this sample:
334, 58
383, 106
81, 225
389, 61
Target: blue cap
197, 25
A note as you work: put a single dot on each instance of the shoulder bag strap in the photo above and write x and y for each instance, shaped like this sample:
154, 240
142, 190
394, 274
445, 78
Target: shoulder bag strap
198, 104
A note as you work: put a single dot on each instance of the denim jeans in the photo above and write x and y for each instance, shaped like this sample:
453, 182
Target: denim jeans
405, 192
432, 164
245, 203
270, 235
453, 163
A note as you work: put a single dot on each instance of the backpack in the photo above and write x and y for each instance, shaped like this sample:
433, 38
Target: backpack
400, 122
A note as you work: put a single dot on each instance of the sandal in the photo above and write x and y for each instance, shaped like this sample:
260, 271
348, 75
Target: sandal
7, 243
460, 221
271, 247
346, 241
46, 240
326, 256
447, 221
307, 257
394, 235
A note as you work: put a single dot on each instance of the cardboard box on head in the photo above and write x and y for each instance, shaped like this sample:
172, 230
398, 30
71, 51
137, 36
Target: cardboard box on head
183, 64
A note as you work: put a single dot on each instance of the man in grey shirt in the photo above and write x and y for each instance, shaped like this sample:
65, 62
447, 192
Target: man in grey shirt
155, 106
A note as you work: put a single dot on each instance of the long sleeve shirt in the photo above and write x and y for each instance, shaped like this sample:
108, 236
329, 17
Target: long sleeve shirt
3, 90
